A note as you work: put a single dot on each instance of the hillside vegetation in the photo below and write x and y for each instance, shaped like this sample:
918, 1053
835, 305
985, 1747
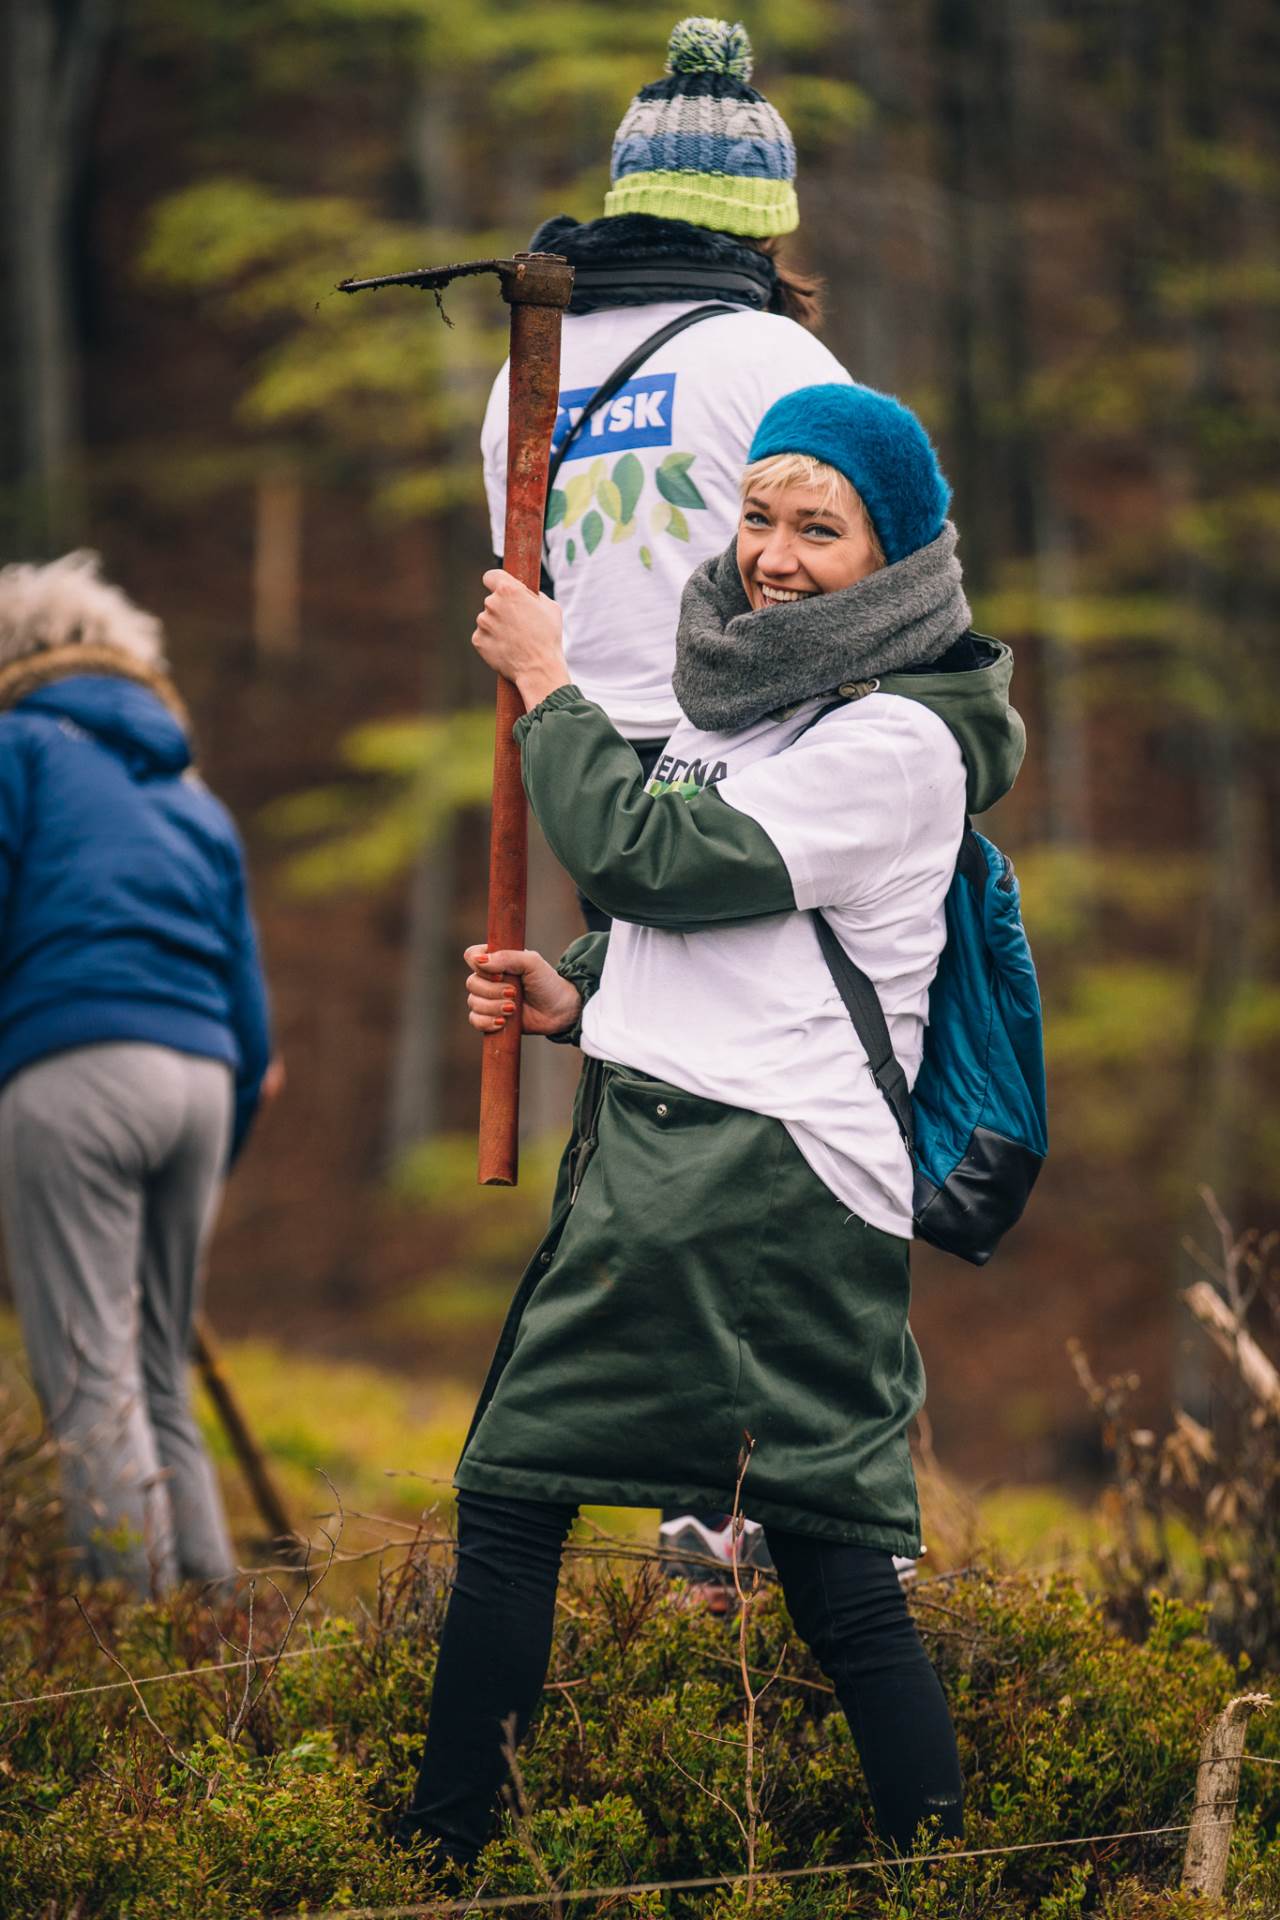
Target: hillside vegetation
269, 1790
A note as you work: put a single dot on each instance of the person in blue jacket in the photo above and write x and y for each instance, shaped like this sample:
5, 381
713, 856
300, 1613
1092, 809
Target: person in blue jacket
134, 1051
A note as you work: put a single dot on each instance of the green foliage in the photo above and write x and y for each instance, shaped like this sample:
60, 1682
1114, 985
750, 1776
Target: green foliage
419, 774
1065, 889
635, 1767
487, 1246
1122, 1013
821, 109
376, 381
381, 376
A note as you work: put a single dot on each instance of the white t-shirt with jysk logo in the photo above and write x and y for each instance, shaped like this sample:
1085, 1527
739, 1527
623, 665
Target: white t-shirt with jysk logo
649, 489
866, 810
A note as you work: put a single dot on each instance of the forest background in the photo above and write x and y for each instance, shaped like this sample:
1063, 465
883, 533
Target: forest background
1049, 226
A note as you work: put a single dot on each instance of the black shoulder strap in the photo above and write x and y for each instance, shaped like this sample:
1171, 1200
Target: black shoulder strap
623, 372
862, 1004
618, 378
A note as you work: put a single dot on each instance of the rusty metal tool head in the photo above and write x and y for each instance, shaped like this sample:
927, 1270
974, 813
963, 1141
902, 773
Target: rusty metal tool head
527, 279
536, 286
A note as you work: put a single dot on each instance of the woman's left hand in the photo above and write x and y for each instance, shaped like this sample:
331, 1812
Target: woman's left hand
518, 635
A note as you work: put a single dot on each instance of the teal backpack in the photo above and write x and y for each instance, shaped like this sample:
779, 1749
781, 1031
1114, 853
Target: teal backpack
975, 1124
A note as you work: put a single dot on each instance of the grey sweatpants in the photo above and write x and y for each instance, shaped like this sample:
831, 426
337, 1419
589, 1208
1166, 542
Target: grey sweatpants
111, 1159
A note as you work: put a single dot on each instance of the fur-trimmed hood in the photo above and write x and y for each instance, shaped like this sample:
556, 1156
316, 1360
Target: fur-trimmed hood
133, 709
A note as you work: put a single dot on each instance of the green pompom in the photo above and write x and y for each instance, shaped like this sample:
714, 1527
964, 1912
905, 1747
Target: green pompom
702, 44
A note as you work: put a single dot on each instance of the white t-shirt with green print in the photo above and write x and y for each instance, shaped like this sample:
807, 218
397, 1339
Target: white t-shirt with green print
649, 489
865, 811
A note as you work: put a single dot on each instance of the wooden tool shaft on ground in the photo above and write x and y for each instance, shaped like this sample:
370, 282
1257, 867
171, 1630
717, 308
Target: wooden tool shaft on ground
536, 286
248, 1453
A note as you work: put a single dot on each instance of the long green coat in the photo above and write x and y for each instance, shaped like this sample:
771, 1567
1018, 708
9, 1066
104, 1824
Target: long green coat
704, 1284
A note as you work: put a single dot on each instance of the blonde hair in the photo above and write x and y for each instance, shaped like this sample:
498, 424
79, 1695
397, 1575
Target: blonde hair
781, 470
67, 604
801, 469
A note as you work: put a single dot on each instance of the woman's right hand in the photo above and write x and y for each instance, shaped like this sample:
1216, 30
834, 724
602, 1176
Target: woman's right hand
551, 1004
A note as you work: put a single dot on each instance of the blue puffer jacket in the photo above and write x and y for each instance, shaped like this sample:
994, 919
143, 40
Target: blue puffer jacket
123, 905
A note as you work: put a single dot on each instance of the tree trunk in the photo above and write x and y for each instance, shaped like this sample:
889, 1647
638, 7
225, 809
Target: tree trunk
53, 58
432, 967
956, 35
1017, 101
277, 563
862, 325
1225, 611
417, 1072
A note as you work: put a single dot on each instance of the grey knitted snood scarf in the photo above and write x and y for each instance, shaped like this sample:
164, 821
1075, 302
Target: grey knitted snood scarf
734, 665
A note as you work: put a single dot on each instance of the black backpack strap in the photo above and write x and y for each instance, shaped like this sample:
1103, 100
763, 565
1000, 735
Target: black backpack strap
821, 714
862, 1004
623, 372
617, 379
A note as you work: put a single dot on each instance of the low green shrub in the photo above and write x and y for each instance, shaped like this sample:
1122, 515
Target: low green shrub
218, 1799
634, 1770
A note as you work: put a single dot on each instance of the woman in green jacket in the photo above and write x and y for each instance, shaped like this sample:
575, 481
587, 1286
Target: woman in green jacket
727, 1257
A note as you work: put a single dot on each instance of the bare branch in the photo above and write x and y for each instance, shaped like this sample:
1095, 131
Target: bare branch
158, 1730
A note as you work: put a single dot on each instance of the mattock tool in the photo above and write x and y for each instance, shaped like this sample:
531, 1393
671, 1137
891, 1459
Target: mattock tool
536, 286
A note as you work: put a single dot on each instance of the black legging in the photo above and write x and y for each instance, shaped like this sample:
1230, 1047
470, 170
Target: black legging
845, 1601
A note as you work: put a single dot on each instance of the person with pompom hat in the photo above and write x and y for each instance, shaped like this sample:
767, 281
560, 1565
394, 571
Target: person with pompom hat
728, 1252
702, 191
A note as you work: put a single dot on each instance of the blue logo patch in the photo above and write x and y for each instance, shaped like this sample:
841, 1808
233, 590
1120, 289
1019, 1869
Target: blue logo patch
639, 415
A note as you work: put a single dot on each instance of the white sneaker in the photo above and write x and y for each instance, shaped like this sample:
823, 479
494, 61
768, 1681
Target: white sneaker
687, 1544
689, 1536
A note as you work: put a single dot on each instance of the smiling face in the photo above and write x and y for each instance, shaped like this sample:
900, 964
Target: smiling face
803, 531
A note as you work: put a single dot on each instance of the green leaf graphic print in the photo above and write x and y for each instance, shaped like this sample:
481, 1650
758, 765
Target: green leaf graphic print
674, 483
577, 497
618, 495
628, 478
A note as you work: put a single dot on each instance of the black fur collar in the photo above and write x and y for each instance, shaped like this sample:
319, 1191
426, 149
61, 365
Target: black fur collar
635, 259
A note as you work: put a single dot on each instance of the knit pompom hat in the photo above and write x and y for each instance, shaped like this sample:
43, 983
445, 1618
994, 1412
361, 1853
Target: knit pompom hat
703, 145
880, 448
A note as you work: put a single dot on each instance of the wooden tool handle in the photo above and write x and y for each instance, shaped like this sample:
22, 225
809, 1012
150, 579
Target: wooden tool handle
534, 399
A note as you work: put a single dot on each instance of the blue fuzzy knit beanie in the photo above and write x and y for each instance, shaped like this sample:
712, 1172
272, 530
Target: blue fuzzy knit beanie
880, 448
